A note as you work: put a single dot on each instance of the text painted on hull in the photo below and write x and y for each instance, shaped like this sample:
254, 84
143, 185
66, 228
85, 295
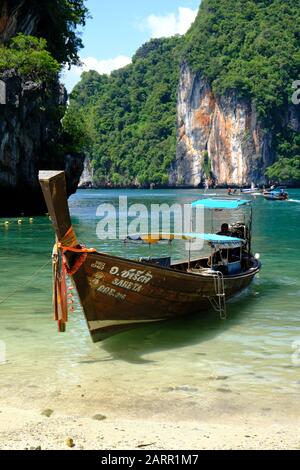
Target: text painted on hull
133, 280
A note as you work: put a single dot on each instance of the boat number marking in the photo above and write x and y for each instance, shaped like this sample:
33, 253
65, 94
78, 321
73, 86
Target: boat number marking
143, 277
98, 265
95, 280
111, 292
132, 280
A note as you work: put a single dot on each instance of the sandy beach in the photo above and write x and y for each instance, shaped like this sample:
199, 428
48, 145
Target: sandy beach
21, 430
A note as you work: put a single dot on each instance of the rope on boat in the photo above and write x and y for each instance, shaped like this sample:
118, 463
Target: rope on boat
61, 268
31, 278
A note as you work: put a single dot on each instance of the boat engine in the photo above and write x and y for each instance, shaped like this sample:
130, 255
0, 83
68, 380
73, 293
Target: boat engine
239, 230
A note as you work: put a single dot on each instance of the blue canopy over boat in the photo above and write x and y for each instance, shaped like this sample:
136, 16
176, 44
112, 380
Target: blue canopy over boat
218, 239
277, 191
221, 204
214, 239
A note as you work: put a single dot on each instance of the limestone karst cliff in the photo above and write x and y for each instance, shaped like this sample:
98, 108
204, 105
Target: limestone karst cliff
16, 17
30, 124
29, 129
86, 180
227, 128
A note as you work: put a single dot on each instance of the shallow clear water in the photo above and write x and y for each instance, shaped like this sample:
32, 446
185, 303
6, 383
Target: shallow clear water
195, 367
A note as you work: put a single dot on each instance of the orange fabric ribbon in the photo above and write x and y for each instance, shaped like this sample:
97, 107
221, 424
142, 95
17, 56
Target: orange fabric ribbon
59, 291
69, 239
68, 243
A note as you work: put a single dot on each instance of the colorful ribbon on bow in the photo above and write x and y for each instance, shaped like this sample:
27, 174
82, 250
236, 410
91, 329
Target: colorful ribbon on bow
61, 269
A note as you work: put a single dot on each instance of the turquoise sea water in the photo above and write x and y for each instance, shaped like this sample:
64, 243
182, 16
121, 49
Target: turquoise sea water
190, 368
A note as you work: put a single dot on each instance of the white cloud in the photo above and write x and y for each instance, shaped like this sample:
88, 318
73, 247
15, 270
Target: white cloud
71, 77
171, 24
158, 26
102, 66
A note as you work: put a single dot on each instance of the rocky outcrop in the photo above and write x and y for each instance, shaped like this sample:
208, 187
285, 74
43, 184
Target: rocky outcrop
30, 124
227, 128
15, 16
86, 180
30, 130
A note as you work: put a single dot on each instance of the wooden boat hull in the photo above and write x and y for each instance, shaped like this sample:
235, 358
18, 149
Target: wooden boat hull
269, 197
276, 195
117, 294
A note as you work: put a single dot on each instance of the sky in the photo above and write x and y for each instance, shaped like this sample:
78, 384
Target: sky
118, 28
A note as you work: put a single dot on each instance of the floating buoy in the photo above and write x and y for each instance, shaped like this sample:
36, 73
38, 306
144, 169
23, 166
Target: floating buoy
30, 220
20, 221
6, 223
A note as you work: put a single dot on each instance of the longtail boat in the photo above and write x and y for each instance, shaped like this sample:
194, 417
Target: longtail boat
276, 195
118, 294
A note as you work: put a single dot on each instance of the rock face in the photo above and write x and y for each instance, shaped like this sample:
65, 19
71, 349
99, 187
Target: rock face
239, 150
30, 126
15, 16
86, 180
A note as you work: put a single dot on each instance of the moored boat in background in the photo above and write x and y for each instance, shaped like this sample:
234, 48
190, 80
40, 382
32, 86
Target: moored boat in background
279, 194
251, 190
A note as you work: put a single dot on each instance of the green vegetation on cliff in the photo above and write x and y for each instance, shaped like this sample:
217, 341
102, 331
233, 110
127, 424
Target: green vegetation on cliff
56, 21
130, 117
251, 47
247, 47
58, 24
287, 166
56, 41
29, 58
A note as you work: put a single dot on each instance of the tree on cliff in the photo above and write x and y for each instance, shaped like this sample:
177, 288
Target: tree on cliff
57, 21
29, 58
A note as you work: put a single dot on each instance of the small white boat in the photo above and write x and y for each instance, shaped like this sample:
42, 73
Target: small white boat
250, 191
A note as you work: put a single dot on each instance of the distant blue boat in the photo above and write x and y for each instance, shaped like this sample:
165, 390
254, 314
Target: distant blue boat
276, 195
